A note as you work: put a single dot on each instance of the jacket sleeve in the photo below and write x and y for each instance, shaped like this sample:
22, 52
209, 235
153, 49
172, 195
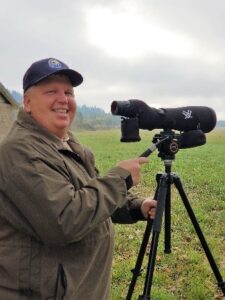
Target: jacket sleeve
130, 212
58, 213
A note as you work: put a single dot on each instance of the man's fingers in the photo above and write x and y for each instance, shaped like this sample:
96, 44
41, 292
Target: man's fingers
152, 213
143, 160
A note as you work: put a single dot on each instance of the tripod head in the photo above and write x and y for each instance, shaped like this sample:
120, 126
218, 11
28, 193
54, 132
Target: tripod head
167, 143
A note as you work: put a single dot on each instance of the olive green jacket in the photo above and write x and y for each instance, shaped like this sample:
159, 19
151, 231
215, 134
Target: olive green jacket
56, 234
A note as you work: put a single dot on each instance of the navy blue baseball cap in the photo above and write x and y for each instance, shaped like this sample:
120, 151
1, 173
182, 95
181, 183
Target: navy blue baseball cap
41, 69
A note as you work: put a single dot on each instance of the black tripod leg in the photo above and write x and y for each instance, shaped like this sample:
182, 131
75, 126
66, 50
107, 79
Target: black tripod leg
167, 243
198, 230
162, 192
137, 269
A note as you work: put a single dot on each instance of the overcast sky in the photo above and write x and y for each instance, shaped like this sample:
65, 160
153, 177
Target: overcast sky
166, 53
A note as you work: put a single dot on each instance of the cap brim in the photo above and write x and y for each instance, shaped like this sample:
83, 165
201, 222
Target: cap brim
74, 77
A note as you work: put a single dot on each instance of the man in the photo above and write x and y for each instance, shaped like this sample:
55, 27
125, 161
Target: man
56, 236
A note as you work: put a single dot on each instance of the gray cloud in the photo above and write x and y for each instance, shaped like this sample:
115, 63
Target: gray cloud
34, 30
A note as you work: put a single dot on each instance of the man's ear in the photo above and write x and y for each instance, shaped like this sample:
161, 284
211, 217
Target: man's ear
26, 103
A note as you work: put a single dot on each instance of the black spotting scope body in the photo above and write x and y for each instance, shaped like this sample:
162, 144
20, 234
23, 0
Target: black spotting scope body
181, 118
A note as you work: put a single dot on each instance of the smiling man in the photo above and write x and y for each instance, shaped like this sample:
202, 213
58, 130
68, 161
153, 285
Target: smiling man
51, 103
56, 211
49, 95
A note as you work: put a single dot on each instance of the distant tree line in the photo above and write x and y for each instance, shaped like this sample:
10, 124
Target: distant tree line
220, 124
94, 118
17, 96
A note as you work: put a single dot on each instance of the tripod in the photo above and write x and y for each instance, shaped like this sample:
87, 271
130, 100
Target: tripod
163, 197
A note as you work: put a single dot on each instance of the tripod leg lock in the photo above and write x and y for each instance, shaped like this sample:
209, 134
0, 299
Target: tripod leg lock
221, 285
137, 272
142, 297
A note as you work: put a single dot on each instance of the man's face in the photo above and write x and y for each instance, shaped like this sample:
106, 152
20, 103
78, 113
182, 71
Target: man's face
52, 104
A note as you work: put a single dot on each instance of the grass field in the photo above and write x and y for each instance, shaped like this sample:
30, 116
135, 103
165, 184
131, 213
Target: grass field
185, 273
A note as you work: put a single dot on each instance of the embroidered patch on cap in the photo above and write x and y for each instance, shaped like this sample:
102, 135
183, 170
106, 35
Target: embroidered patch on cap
54, 63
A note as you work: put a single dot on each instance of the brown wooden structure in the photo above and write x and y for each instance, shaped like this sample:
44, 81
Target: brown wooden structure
8, 110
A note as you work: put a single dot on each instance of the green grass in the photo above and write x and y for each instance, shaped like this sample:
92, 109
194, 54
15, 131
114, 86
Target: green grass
185, 273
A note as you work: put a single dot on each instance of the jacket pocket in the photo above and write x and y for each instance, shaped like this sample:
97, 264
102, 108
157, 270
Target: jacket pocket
60, 285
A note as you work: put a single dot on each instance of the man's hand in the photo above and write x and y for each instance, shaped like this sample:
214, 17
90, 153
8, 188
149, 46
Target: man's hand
148, 208
134, 167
